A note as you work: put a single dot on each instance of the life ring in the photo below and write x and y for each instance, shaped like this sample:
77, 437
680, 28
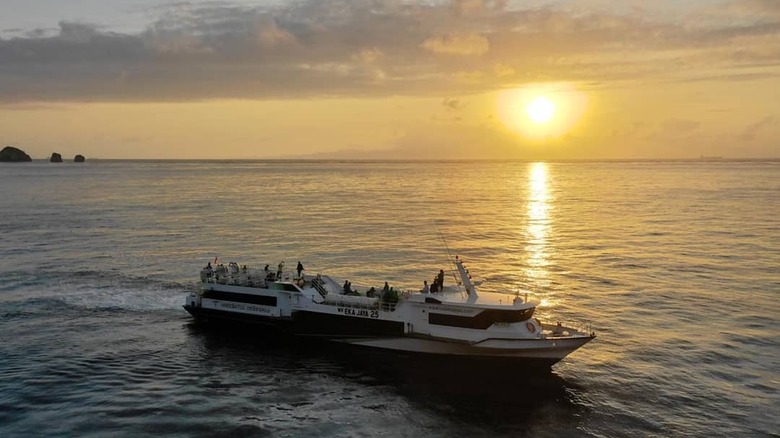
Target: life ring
531, 328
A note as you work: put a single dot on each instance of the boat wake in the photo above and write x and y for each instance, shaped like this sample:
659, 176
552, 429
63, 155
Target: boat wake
94, 290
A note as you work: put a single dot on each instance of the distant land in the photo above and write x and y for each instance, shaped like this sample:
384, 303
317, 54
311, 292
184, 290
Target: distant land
11, 154
14, 154
443, 160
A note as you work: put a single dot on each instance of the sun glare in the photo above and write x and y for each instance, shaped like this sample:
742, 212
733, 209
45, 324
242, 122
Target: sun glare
540, 110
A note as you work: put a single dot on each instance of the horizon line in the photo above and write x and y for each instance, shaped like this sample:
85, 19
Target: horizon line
432, 160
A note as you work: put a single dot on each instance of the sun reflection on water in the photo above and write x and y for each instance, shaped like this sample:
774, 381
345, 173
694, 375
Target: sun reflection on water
538, 226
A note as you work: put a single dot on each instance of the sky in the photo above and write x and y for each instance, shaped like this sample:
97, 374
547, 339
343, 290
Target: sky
384, 79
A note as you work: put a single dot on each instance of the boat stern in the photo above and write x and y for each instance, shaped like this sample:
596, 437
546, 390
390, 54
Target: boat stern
192, 303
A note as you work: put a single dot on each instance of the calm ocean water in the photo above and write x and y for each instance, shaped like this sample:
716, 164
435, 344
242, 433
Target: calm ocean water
675, 264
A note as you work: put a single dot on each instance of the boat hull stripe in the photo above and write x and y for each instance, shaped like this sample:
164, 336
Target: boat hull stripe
262, 300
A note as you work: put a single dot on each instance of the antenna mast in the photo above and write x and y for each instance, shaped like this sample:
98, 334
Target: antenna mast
446, 247
453, 263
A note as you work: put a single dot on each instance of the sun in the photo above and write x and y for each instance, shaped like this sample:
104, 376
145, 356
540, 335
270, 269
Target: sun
541, 110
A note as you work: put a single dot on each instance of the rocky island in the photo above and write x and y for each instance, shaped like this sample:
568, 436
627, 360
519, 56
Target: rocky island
11, 154
55, 158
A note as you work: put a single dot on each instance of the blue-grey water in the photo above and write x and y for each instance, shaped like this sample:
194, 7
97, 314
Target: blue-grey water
675, 264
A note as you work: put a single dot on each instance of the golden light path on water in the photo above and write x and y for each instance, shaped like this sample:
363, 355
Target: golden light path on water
538, 228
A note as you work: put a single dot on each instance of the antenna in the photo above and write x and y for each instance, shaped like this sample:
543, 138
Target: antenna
449, 254
451, 260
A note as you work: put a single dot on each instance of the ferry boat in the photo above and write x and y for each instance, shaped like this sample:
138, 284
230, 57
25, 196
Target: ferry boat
456, 322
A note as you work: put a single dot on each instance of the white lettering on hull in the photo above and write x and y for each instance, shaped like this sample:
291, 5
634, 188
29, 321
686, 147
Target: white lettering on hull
239, 307
453, 310
362, 313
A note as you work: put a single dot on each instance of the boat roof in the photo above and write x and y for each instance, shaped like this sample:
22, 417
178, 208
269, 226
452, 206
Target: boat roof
487, 300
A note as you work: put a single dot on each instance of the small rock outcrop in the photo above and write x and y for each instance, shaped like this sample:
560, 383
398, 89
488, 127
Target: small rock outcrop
55, 158
79, 158
11, 154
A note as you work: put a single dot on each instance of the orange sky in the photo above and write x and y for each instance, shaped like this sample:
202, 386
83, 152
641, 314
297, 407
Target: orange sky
389, 79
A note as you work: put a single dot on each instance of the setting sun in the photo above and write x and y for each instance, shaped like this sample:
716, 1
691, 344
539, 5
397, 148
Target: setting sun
540, 110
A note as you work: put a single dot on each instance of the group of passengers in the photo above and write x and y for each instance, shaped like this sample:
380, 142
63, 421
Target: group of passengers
387, 294
275, 276
220, 271
234, 268
437, 285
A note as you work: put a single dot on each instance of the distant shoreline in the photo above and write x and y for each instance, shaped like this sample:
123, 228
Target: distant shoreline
368, 160
709, 160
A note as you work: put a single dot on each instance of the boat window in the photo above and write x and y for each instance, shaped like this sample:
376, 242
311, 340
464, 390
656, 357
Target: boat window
240, 298
483, 320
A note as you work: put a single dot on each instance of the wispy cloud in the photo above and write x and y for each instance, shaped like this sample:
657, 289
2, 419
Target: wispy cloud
380, 47
750, 133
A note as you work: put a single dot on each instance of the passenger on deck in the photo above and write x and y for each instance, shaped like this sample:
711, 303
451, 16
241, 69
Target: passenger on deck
434, 286
425, 288
279, 270
299, 268
266, 268
440, 280
386, 288
371, 293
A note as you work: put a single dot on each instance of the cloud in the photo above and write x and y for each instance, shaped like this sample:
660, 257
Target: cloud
269, 34
750, 133
218, 50
680, 126
79, 33
669, 130
452, 103
368, 55
465, 45
477, 7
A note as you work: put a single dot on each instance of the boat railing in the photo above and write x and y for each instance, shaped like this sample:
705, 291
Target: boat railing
359, 302
568, 329
351, 301
319, 286
249, 278
389, 307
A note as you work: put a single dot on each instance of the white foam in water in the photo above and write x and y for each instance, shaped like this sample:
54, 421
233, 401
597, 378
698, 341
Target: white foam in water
127, 299
107, 291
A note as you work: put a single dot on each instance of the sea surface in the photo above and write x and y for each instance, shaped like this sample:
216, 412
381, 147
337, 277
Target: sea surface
676, 266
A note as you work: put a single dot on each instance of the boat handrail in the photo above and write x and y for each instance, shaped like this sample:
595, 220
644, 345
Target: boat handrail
567, 329
351, 301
